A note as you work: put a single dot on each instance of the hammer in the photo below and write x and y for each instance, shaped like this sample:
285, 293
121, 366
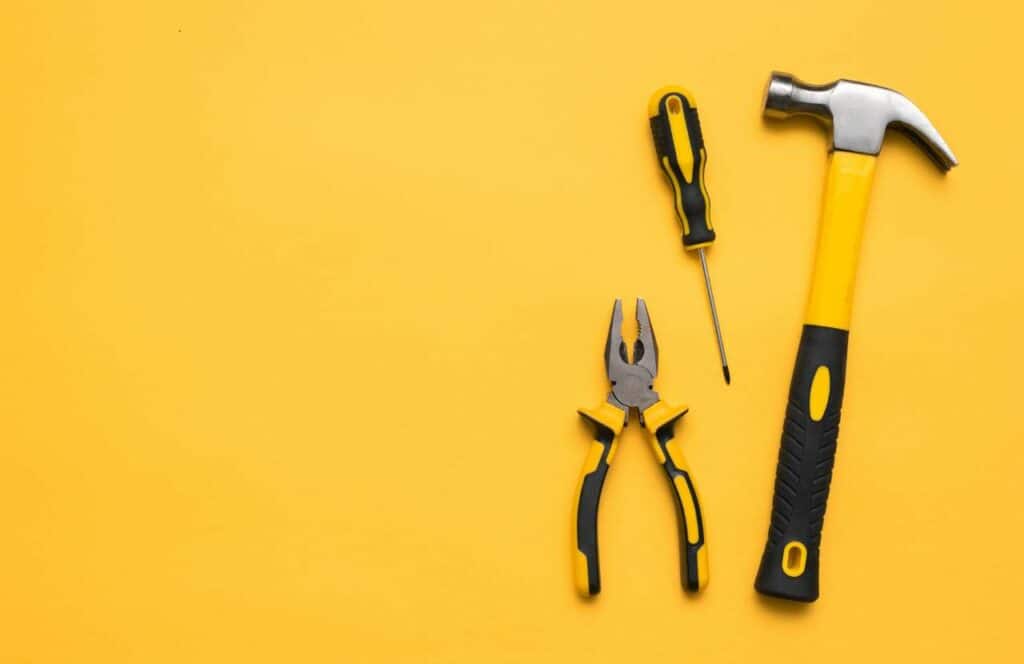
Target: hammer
858, 115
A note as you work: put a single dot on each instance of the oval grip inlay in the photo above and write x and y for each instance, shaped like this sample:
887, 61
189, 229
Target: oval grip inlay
819, 393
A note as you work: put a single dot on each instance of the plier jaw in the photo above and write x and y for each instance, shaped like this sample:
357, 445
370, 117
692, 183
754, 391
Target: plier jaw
632, 380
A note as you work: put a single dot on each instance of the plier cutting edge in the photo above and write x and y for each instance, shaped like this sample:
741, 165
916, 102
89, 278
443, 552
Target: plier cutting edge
633, 387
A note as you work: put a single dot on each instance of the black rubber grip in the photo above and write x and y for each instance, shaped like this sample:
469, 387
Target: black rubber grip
586, 513
689, 562
804, 471
687, 183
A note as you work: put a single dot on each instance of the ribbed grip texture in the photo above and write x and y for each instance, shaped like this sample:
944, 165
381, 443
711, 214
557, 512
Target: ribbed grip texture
804, 472
788, 473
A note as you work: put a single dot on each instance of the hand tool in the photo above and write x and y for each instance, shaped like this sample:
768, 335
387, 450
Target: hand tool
633, 388
858, 115
680, 147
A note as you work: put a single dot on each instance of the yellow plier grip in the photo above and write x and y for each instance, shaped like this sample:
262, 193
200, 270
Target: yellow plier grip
607, 421
660, 420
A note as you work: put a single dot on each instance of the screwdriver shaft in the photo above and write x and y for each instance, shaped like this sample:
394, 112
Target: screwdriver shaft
714, 315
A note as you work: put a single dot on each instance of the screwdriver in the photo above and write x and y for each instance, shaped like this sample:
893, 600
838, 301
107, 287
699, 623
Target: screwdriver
680, 147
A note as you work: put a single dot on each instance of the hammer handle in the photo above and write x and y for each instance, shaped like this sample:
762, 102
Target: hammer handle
789, 566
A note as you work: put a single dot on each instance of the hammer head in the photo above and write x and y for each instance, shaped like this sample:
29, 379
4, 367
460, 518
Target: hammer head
859, 114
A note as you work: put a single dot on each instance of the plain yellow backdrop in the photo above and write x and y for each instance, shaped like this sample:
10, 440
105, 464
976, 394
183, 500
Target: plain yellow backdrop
300, 299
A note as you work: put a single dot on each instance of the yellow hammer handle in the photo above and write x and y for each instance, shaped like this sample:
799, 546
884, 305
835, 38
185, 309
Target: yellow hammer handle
810, 431
847, 189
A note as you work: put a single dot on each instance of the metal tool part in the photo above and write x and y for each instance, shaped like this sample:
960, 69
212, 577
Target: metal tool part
859, 113
632, 381
714, 316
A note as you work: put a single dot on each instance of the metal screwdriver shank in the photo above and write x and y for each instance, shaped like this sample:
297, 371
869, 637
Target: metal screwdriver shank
714, 316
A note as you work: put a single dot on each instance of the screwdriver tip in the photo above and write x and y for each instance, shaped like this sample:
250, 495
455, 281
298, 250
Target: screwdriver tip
725, 372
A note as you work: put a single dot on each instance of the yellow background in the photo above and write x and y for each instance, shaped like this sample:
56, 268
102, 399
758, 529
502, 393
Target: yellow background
300, 299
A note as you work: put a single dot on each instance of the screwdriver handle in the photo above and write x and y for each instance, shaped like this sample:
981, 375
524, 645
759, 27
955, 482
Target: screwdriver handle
681, 154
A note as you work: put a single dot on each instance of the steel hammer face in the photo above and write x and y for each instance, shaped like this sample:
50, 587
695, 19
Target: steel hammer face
858, 114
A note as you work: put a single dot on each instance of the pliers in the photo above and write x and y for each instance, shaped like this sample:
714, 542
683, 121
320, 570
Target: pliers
633, 387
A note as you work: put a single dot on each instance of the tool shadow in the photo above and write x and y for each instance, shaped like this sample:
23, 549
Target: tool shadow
782, 607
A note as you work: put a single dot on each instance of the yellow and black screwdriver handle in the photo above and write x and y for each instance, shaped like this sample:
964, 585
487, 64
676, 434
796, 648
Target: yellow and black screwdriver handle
659, 420
789, 565
680, 147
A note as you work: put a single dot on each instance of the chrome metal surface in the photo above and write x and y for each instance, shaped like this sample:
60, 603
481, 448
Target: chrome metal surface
858, 113
714, 315
632, 381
